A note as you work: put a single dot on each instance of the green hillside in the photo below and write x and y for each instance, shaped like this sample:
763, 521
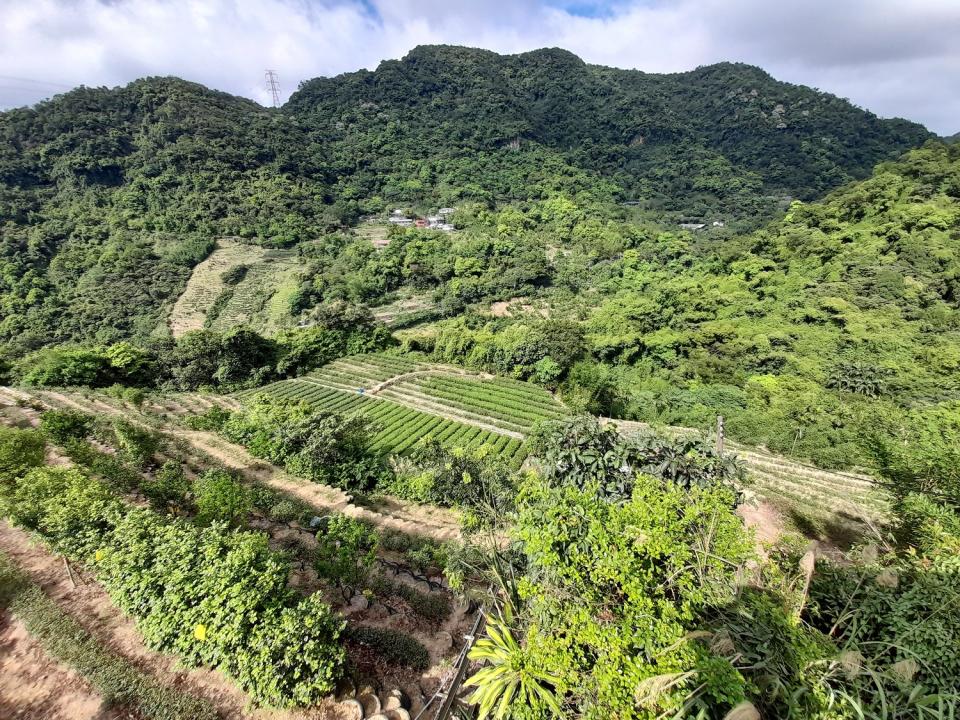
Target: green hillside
721, 138
109, 197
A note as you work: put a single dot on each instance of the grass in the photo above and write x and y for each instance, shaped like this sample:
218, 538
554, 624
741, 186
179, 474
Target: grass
65, 640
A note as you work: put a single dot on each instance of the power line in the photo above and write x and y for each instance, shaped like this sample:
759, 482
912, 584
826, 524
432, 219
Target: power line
273, 85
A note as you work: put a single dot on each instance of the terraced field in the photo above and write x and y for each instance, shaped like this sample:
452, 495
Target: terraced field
830, 499
412, 400
261, 299
205, 284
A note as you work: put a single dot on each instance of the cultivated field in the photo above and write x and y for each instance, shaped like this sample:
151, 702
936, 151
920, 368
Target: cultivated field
258, 300
412, 400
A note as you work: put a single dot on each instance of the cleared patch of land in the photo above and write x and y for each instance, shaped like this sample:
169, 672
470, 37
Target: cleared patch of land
260, 299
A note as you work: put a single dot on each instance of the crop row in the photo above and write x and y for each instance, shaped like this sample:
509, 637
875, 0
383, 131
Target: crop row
479, 399
401, 427
526, 397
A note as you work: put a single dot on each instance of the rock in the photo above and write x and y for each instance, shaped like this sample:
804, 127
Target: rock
397, 700
378, 716
352, 710
444, 640
359, 602
398, 714
371, 704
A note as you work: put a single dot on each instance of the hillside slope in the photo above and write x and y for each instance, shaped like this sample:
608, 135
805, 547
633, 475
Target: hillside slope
718, 138
110, 197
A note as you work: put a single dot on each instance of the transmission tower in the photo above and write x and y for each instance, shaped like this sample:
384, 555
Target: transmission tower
273, 85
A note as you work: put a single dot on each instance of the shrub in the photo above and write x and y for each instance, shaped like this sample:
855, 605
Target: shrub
62, 426
214, 597
168, 487
234, 275
20, 451
135, 444
220, 497
393, 646
115, 679
213, 418
346, 548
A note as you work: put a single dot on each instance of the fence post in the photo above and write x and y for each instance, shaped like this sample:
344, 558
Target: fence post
719, 434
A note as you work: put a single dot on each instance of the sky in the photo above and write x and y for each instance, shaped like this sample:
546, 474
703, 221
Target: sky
897, 58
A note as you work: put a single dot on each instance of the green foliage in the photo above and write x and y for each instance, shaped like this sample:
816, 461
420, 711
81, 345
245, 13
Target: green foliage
346, 549
213, 597
643, 571
395, 647
511, 684
473, 480
20, 451
235, 274
324, 447
117, 681
220, 498
213, 418
895, 616
169, 488
134, 443
582, 453
62, 426
919, 452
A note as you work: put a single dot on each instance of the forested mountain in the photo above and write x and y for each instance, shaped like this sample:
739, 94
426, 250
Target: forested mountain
718, 139
110, 197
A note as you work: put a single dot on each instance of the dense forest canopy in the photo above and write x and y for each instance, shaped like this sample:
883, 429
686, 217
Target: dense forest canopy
108, 198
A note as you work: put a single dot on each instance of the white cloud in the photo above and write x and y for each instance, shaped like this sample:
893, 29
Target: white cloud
892, 57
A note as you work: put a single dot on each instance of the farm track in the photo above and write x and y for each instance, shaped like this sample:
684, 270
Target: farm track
437, 523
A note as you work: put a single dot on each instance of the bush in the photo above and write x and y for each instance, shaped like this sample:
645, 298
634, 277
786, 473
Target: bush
234, 275
134, 444
220, 497
346, 548
168, 487
214, 597
20, 451
213, 418
434, 607
62, 426
117, 681
393, 646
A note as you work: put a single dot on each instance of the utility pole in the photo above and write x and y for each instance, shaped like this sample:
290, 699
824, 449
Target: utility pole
273, 85
719, 434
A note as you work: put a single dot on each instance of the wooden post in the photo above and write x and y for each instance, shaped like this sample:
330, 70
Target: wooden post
719, 434
66, 564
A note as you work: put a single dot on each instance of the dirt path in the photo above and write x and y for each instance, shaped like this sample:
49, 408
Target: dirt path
90, 605
33, 686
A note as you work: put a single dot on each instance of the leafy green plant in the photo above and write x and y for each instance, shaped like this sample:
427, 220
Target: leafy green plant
169, 487
62, 426
119, 683
395, 647
510, 684
214, 597
220, 497
346, 549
